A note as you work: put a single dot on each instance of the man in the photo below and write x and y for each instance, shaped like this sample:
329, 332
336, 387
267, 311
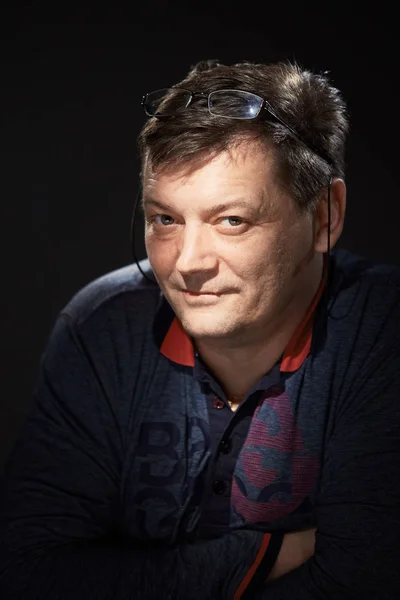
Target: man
200, 422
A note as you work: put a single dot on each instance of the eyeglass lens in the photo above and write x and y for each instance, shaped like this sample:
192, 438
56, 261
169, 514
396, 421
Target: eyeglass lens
235, 104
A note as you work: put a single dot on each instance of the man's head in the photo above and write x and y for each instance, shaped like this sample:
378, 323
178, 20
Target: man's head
262, 250
304, 100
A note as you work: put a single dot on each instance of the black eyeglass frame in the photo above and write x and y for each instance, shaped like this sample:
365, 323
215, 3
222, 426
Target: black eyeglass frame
264, 105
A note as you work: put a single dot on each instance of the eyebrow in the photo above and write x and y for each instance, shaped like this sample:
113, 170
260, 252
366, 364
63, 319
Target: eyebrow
239, 203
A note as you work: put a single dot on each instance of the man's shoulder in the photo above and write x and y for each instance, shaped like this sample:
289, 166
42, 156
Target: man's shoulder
357, 265
118, 287
364, 298
363, 276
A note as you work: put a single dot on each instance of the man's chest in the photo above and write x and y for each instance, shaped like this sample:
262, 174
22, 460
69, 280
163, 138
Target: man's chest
201, 467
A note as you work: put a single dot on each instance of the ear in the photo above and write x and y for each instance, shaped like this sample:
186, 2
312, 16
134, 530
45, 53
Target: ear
338, 209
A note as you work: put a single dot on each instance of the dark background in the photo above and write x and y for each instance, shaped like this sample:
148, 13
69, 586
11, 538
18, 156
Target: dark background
70, 115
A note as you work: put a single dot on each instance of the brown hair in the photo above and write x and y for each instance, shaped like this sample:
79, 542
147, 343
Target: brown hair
305, 100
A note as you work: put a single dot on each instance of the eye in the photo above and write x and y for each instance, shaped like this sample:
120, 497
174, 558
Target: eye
233, 221
162, 219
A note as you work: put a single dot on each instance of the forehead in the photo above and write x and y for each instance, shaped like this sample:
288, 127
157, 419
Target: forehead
246, 171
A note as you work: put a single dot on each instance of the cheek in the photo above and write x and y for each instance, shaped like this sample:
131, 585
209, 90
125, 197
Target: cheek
269, 269
160, 260
259, 260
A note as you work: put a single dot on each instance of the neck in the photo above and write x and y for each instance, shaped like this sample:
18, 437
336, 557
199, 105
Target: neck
239, 363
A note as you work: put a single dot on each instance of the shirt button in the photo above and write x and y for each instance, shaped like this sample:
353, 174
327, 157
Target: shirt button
218, 486
225, 446
217, 403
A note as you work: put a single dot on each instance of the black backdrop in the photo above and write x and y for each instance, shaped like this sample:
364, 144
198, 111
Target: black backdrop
70, 113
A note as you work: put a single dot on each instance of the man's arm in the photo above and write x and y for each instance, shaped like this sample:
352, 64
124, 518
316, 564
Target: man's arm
296, 548
61, 535
358, 509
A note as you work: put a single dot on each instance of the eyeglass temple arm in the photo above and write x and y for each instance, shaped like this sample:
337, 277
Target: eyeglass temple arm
268, 108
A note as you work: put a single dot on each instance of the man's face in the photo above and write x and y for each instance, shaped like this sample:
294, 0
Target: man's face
226, 244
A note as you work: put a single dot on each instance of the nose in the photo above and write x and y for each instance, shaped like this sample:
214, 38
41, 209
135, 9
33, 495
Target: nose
196, 251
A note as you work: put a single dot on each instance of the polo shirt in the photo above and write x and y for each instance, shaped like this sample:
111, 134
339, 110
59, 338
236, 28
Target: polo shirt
242, 488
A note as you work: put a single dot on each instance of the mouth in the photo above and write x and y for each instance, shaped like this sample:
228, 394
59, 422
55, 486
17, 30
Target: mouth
190, 293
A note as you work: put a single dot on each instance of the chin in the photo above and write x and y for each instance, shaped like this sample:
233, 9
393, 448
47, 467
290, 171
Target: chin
207, 325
